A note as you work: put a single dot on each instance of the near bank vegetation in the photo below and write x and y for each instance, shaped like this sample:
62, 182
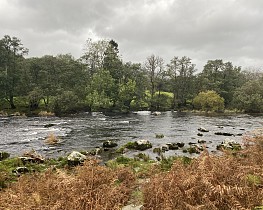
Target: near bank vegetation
231, 181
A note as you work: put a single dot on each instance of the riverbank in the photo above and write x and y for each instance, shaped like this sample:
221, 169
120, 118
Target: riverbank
233, 180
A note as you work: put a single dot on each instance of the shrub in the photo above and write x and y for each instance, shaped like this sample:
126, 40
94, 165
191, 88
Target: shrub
208, 101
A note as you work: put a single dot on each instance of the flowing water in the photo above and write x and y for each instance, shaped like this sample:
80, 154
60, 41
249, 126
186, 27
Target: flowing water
87, 131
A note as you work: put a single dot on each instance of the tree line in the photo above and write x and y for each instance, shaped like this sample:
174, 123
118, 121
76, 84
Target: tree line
101, 81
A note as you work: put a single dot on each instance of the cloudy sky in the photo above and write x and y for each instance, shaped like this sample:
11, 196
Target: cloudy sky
231, 30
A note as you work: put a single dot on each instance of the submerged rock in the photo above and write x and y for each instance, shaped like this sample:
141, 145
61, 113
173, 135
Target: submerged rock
156, 113
143, 144
109, 144
164, 148
229, 144
139, 145
49, 125
202, 129
172, 146
224, 134
180, 144
201, 141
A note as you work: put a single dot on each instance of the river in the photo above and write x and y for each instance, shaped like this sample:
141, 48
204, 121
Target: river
88, 130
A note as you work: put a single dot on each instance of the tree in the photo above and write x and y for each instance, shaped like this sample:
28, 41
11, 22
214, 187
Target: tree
221, 77
99, 94
249, 97
126, 95
154, 66
11, 53
209, 101
94, 54
181, 74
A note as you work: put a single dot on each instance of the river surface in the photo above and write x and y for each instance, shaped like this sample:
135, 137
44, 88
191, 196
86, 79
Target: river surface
87, 131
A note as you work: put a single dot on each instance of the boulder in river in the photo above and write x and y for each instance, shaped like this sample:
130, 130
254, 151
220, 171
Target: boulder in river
156, 113
180, 144
109, 144
76, 158
201, 141
224, 134
165, 148
229, 144
172, 146
202, 129
139, 145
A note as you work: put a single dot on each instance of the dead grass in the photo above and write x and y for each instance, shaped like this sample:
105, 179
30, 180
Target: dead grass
210, 182
90, 187
52, 139
46, 114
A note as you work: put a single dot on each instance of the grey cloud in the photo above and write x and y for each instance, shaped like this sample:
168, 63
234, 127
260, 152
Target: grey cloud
201, 29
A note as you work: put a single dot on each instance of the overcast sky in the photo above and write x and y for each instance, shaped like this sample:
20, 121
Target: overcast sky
231, 30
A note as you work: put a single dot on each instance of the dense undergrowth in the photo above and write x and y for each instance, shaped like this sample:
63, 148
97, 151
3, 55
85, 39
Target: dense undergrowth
231, 181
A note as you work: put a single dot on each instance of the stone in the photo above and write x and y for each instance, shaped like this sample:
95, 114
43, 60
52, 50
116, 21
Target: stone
49, 125
32, 157
224, 134
172, 146
21, 170
165, 148
76, 158
201, 141
156, 113
229, 144
142, 145
202, 129
180, 144
109, 144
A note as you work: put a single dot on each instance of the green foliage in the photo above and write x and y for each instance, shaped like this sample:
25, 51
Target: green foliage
162, 101
250, 96
100, 91
101, 81
254, 180
223, 78
209, 101
65, 103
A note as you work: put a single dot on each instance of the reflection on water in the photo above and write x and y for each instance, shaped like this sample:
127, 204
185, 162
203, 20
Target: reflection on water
87, 131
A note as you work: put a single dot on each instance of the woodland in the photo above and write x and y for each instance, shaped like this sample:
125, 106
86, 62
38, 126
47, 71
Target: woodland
101, 81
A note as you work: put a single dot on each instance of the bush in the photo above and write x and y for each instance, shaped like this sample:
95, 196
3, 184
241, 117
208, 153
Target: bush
208, 101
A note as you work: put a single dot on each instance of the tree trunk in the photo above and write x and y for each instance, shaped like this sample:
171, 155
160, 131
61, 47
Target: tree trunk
11, 101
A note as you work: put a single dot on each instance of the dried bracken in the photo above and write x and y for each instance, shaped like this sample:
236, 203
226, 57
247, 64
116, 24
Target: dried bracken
52, 139
90, 187
211, 182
